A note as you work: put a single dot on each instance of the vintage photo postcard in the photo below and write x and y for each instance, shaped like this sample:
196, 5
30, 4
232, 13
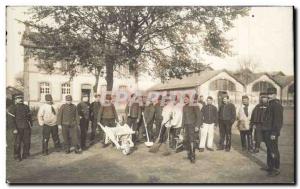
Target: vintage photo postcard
150, 95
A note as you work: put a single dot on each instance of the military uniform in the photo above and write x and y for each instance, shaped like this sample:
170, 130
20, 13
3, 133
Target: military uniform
83, 109
190, 119
271, 127
227, 116
68, 118
21, 120
107, 115
157, 118
132, 116
149, 118
94, 109
257, 119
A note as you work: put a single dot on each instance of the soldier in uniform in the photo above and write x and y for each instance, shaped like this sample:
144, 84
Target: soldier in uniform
47, 118
257, 119
149, 117
22, 122
94, 109
158, 116
83, 109
227, 116
190, 120
133, 113
107, 114
271, 131
68, 119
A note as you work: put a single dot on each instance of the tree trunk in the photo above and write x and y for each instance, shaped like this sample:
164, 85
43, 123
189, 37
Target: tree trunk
95, 87
109, 63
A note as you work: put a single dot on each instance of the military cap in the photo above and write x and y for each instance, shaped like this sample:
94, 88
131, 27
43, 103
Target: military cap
245, 97
48, 97
85, 95
68, 98
18, 96
263, 94
210, 97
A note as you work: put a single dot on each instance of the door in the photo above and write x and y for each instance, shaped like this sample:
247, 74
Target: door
86, 89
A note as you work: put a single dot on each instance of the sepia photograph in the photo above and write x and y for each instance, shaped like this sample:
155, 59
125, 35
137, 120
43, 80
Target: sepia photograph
150, 95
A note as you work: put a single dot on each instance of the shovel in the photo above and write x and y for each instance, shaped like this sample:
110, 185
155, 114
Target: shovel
148, 143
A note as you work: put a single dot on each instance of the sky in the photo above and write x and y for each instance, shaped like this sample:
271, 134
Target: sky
266, 36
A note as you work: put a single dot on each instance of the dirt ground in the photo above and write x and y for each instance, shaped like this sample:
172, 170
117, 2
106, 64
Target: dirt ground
108, 165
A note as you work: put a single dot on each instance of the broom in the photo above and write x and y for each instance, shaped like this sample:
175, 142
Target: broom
166, 146
157, 144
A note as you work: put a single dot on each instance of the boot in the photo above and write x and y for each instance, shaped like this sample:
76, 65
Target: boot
192, 152
78, 150
45, 148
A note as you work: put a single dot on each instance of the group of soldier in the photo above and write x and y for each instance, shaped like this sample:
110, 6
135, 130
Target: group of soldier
166, 119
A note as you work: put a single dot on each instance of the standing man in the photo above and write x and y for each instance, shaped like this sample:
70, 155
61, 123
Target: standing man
201, 100
132, 115
243, 124
271, 131
210, 120
94, 109
47, 118
257, 119
149, 117
158, 115
107, 115
68, 119
190, 120
22, 122
227, 116
83, 109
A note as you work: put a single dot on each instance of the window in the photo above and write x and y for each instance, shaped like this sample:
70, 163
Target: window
262, 86
44, 89
65, 88
222, 85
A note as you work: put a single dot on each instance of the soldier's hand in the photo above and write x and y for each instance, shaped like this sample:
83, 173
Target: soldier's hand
196, 129
273, 137
59, 127
137, 121
15, 131
253, 127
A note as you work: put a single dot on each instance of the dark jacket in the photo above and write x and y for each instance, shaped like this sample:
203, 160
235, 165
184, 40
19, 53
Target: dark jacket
94, 109
191, 115
149, 113
258, 113
158, 112
209, 114
107, 111
273, 117
83, 109
227, 112
20, 116
68, 115
133, 110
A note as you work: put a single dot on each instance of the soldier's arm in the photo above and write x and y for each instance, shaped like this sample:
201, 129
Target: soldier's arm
99, 114
59, 115
77, 118
115, 113
233, 113
40, 116
79, 110
11, 113
277, 119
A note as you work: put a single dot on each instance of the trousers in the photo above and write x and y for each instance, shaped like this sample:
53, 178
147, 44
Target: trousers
70, 135
273, 155
225, 134
206, 135
22, 142
53, 131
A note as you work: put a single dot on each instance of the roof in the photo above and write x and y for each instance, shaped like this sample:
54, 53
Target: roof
283, 80
189, 81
